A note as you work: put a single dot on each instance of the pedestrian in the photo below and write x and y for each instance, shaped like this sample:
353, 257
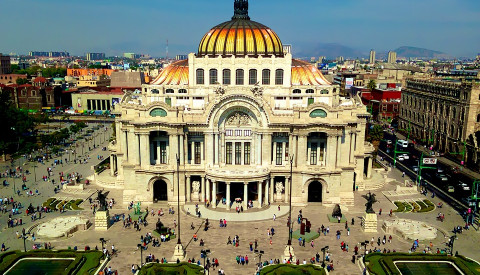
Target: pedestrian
403, 174
274, 217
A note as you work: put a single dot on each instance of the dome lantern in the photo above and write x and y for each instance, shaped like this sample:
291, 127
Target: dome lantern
240, 9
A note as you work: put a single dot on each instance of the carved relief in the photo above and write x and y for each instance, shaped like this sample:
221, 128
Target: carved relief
220, 91
196, 186
279, 187
257, 91
238, 119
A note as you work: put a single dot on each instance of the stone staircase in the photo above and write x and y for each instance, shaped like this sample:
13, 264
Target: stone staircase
378, 180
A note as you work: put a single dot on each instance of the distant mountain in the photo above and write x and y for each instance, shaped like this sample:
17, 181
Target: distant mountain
330, 50
414, 52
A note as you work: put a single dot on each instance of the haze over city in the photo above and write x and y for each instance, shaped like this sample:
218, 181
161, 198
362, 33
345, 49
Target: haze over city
142, 26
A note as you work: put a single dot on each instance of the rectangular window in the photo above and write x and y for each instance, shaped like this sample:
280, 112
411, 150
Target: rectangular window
108, 104
238, 133
104, 105
239, 77
213, 77
155, 144
247, 133
163, 152
279, 77
278, 153
246, 152
313, 153
200, 77
229, 133
228, 153
252, 77
226, 77
34, 93
322, 148
311, 100
266, 77
197, 153
238, 153
89, 104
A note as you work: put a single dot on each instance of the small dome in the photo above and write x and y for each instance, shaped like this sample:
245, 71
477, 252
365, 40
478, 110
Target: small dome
174, 74
240, 37
304, 74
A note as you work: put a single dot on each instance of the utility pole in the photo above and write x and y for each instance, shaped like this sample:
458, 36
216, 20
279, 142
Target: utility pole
420, 167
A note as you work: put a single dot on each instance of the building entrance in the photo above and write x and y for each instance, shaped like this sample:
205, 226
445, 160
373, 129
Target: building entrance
315, 192
159, 191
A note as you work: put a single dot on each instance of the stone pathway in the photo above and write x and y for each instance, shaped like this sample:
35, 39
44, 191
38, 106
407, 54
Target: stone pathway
265, 213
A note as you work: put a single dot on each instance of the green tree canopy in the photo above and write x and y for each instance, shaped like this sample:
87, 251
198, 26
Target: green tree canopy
372, 84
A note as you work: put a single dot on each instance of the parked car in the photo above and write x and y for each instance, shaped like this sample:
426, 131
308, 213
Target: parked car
389, 141
464, 186
400, 158
405, 156
441, 176
451, 189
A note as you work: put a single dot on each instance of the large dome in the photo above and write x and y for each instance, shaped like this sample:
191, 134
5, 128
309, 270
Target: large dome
240, 37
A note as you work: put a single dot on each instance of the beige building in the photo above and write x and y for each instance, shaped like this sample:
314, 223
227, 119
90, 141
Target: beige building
371, 60
231, 121
392, 57
91, 100
443, 114
93, 81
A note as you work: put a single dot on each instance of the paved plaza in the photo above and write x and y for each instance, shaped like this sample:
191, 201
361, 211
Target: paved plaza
250, 225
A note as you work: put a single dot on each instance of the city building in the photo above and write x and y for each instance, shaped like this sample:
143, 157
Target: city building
443, 114
38, 54
383, 102
392, 57
231, 121
95, 56
371, 60
84, 71
5, 64
123, 79
95, 101
181, 57
131, 55
30, 97
11, 78
93, 81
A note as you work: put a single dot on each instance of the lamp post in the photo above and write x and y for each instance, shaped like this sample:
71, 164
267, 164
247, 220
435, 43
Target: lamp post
24, 237
324, 249
103, 241
140, 246
290, 202
364, 244
259, 253
204, 254
178, 198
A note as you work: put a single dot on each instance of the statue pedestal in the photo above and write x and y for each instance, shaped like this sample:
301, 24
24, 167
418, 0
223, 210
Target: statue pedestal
102, 220
195, 196
178, 253
369, 223
287, 252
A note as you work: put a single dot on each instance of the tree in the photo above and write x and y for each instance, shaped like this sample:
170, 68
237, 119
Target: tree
376, 133
372, 84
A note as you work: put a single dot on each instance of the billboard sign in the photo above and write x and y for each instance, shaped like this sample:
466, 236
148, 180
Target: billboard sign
348, 83
429, 161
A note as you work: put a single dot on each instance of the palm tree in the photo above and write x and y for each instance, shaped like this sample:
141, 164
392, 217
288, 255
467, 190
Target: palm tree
372, 84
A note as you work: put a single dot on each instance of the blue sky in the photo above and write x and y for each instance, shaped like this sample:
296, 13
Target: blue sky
143, 26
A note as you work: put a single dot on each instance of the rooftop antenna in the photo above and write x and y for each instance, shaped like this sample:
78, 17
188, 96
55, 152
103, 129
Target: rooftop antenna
167, 50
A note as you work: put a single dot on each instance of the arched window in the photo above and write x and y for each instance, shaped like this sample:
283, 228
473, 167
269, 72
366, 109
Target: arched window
200, 77
266, 77
226, 77
239, 77
323, 92
279, 77
213, 76
182, 91
155, 91
297, 91
454, 112
252, 77
169, 91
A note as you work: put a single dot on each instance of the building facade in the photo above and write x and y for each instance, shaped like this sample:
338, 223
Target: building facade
95, 56
443, 114
231, 121
371, 60
392, 57
5, 64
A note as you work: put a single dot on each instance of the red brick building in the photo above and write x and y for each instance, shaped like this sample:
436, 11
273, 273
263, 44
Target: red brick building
30, 97
11, 78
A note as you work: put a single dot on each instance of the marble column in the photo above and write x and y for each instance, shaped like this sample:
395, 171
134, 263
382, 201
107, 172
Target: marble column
208, 147
182, 151
157, 148
258, 149
267, 149
352, 147
217, 149
192, 150
272, 188
123, 147
207, 190
287, 189
228, 195
214, 194
173, 148
284, 147
185, 148
274, 158
144, 146
132, 144
267, 192
331, 148
112, 167
346, 149
222, 148
302, 150
369, 168
203, 189
260, 194
339, 151
189, 189
245, 194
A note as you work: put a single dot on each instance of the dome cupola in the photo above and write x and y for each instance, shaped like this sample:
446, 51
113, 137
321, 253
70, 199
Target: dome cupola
240, 37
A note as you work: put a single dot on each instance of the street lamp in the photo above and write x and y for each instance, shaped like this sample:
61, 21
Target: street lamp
290, 202
178, 198
364, 244
140, 246
24, 237
204, 254
103, 241
259, 254
323, 259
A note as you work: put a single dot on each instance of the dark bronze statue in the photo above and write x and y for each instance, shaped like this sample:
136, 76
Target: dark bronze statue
337, 212
370, 201
102, 201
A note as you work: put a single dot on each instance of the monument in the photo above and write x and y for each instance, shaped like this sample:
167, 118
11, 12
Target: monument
279, 189
196, 191
369, 222
102, 217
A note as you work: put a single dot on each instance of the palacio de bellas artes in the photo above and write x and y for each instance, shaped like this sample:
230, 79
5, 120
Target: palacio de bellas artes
240, 120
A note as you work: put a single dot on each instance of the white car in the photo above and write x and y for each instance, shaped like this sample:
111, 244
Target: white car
464, 186
400, 158
405, 156
389, 141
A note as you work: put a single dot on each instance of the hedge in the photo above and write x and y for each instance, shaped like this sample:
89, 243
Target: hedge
181, 268
292, 269
380, 263
85, 263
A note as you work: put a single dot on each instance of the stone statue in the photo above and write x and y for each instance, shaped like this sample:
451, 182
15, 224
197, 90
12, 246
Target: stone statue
337, 212
370, 201
136, 209
279, 187
196, 186
102, 201
159, 226
238, 119
257, 91
220, 91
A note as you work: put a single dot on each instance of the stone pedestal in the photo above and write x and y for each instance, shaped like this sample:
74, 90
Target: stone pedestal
287, 252
178, 253
369, 223
102, 220
195, 197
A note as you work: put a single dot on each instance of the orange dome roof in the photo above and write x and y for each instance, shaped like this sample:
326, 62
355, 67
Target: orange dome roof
304, 74
240, 37
174, 74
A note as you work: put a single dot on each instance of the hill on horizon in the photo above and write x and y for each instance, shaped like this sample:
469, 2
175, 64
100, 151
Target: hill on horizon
415, 52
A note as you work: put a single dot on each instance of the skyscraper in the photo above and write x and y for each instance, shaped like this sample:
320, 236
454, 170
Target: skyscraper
95, 56
372, 57
392, 57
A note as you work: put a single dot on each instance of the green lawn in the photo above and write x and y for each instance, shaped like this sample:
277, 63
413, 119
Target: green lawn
288, 269
383, 264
